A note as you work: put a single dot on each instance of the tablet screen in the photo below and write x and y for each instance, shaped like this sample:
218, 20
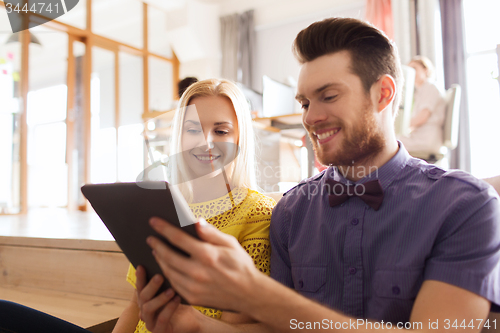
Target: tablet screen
125, 209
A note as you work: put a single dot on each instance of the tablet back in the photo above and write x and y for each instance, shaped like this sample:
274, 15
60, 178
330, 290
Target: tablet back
125, 209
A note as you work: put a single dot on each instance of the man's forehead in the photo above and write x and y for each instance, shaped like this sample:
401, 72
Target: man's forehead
331, 70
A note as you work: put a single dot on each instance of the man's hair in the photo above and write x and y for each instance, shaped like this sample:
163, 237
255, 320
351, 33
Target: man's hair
185, 83
372, 53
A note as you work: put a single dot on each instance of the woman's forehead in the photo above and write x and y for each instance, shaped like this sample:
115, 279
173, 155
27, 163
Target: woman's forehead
214, 109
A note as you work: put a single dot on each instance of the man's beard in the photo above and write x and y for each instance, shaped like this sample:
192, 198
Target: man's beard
359, 145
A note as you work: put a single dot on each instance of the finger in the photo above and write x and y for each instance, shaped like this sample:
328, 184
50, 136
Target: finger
170, 260
140, 274
179, 281
176, 236
211, 235
150, 309
163, 320
150, 290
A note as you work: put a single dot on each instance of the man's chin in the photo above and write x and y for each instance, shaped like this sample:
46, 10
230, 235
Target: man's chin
325, 159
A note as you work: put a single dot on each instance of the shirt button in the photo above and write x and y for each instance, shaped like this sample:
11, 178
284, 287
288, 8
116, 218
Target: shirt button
301, 284
354, 221
432, 172
396, 290
352, 270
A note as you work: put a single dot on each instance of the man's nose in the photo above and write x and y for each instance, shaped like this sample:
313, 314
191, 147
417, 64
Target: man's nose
313, 115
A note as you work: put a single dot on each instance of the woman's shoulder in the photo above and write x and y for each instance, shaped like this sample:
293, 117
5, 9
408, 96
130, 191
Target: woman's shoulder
260, 199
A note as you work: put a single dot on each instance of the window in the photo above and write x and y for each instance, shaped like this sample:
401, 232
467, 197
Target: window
482, 34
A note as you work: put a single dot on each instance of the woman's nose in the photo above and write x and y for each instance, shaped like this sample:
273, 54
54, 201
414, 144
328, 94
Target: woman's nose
210, 141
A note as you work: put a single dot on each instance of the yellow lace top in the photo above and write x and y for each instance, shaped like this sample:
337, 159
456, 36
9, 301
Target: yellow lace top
246, 215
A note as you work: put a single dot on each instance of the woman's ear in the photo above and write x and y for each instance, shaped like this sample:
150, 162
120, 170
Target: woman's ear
387, 91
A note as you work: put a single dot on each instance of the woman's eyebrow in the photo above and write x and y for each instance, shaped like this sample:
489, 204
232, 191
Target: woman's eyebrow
192, 121
223, 123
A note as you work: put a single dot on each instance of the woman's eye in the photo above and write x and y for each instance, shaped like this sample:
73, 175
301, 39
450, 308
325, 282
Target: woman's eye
330, 98
193, 131
304, 106
219, 132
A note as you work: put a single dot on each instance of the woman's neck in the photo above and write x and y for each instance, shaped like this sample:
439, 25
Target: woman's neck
210, 188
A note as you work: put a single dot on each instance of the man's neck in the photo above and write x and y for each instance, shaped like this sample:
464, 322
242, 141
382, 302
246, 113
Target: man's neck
362, 169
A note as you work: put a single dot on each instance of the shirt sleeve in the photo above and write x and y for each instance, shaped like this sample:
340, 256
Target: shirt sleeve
280, 261
467, 251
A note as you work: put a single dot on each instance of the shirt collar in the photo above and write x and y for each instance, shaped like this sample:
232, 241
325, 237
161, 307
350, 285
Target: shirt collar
385, 174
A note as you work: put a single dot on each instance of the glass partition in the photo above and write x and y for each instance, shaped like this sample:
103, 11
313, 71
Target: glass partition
130, 138
46, 119
160, 85
103, 132
128, 29
157, 28
77, 16
10, 129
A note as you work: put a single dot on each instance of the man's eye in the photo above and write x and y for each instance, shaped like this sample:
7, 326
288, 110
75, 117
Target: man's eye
305, 106
330, 98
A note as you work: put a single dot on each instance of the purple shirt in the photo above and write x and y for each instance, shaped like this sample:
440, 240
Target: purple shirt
432, 225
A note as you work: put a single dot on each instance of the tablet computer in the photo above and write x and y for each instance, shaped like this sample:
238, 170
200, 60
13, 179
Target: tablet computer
125, 209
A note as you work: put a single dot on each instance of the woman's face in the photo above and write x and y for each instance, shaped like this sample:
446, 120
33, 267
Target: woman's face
209, 135
420, 73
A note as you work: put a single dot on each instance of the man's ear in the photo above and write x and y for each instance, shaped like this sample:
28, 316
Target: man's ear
387, 91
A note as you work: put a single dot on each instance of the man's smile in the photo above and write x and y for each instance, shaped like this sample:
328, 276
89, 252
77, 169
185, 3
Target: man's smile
326, 134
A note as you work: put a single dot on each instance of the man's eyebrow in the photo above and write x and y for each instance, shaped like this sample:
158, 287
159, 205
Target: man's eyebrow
319, 90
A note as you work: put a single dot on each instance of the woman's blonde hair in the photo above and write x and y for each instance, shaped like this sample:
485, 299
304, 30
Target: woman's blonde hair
242, 171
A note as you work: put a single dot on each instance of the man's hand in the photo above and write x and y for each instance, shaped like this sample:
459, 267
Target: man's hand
218, 273
163, 313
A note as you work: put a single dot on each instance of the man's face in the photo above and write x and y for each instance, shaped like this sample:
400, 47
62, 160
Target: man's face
337, 113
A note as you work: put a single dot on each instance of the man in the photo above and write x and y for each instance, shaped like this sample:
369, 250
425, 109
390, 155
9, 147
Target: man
383, 240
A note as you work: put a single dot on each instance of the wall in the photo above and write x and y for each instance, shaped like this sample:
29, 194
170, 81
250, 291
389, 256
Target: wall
273, 42
276, 22
194, 33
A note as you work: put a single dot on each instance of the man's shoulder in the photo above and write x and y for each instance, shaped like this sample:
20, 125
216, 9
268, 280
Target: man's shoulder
433, 177
311, 181
303, 192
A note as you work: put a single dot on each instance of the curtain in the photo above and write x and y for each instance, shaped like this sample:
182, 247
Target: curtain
238, 45
246, 48
379, 13
229, 44
454, 62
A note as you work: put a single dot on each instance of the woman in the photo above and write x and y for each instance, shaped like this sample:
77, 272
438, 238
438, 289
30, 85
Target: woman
212, 162
428, 112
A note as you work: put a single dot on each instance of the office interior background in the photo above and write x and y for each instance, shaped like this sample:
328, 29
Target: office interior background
89, 98
81, 95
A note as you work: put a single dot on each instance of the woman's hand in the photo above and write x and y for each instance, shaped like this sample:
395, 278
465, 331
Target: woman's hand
163, 313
